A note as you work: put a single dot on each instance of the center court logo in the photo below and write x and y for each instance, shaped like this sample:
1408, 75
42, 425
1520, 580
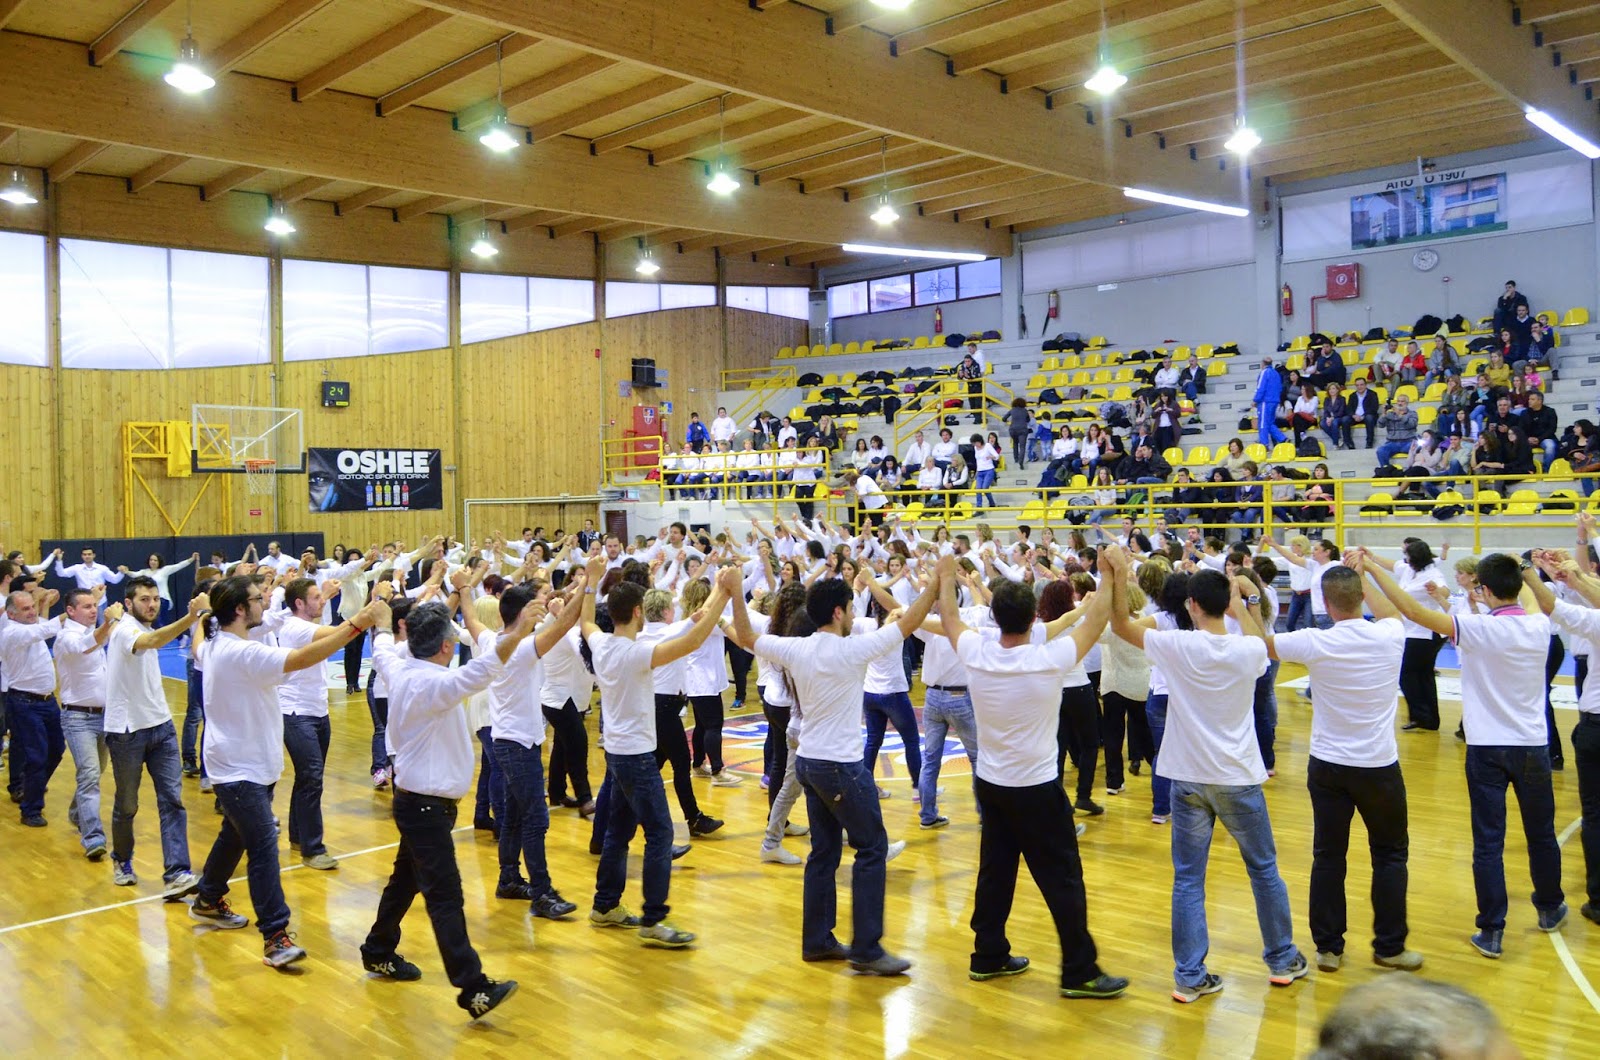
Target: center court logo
749, 734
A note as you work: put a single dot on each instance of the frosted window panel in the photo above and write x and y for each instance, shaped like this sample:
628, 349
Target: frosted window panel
219, 309
114, 306
324, 310
935, 285
492, 307
22, 300
891, 292
847, 299
626, 299
979, 278
793, 302
410, 309
559, 303
687, 295
752, 298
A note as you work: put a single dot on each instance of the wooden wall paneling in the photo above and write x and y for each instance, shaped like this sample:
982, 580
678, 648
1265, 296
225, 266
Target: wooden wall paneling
699, 266
686, 344
27, 433
744, 272
755, 338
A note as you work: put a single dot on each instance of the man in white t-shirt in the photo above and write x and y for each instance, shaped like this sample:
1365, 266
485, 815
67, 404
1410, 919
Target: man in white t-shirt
243, 750
869, 497
1502, 710
303, 698
140, 735
1210, 755
1015, 684
81, 666
1354, 765
829, 670
722, 427
622, 667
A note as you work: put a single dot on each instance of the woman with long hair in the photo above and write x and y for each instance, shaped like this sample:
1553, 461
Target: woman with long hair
1170, 613
886, 700
705, 678
778, 614
1078, 727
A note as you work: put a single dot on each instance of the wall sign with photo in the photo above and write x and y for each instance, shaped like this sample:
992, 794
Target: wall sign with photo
375, 480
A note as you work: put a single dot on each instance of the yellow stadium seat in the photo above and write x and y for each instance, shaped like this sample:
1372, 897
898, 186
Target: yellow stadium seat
1377, 506
852, 347
1560, 468
1122, 375
1091, 360
921, 343
1299, 343
1382, 392
1070, 361
830, 379
1434, 392
1033, 510
1562, 501
820, 491
1522, 502
785, 351
1058, 510
1122, 393
1050, 364
1078, 378
1487, 500
1080, 481
962, 510
1281, 452
798, 412
819, 350
847, 378
1179, 353
1101, 375
1575, 317
1349, 357
1200, 454
1446, 497
1037, 382
1113, 356
1255, 451
835, 348
1476, 365
1097, 342
1427, 415
1295, 362
1408, 390
1205, 349
1172, 455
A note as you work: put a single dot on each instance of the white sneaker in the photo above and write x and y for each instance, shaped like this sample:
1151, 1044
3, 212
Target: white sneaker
726, 779
205, 785
1114, 791
796, 829
1080, 829
894, 850
883, 792
701, 771
779, 856
380, 779
184, 883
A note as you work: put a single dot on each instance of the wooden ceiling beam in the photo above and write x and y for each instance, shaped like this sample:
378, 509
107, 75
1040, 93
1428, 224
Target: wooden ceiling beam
603, 108
573, 227
362, 199
7, 134
816, 140
1480, 39
424, 206
1016, 204
704, 242
46, 86
75, 159
369, 51
261, 32
127, 27
669, 236
1391, 151
859, 13
748, 246
823, 159
450, 73
1050, 212
776, 55
922, 192
1543, 11
1568, 30
981, 196
525, 92
160, 169
1329, 134
1122, 17
233, 178
666, 123
809, 257
776, 255
7, 9
706, 143
900, 159
626, 230
907, 186
1283, 129
303, 188
988, 17
536, 219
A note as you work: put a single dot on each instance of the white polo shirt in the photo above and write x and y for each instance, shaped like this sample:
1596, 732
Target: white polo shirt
1016, 698
705, 670
627, 693
1211, 681
886, 674
513, 696
134, 699
434, 751
1356, 668
1502, 677
1315, 567
869, 494
244, 726
668, 680
24, 658
304, 692
828, 672
80, 665
1415, 584
1580, 621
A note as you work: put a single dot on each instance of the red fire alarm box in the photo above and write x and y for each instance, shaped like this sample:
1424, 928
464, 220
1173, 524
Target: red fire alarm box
1344, 281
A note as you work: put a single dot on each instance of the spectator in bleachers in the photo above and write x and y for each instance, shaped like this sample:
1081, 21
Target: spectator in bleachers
945, 450
1459, 425
1104, 498
1326, 365
1510, 347
1018, 426
1164, 421
1424, 459
1498, 370
1386, 365
1443, 362
972, 372
1234, 459
1521, 326
956, 478
1363, 408
1543, 430
1499, 417
1185, 494
1505, 308
1335, 418
860, 459
723, 428
1519, 390
765, 429
1192, 383
786, 433
1530, 372
1414, 364
1399, 423
985, 455
1039, 439
750, 472
929, 481
1064, 461
716, 464
1222, 491
1488, 456
1248, 497
1145, 467
1541, 341
1268, 393
877, 450
826, 435
1092, 448
1580, 446
889, 478
697, 435
916, 452
1303, 417
1455, 397
1283, 493
1165, 378
1318, 497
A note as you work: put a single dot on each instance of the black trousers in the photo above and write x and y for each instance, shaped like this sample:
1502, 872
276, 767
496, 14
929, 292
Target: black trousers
1078, 735
672, 745
1586, 760
1379, 796
426, 864
352, 660
739, 661
1124, 716
1552, 663
775, 750
569, 753
707, 736
1035, 823
1417, 683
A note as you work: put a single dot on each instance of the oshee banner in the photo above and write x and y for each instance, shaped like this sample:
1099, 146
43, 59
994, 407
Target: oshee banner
375, 480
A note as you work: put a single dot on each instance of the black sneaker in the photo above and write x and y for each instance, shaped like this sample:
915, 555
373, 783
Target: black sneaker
393, 967
191, 771
552, 906
34, 820
1590, 911
486, 996
1089, 806
704, 825
1012, 966
1102, 987
679, 851
521, 890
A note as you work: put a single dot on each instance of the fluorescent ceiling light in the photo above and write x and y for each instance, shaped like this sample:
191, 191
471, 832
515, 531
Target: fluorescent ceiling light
1562, 133
1106, 80
16, 192
722, 182
1243, 141
498, 136
186, 74
647, 266
885, 213
1188, 204
912, 252
893, 5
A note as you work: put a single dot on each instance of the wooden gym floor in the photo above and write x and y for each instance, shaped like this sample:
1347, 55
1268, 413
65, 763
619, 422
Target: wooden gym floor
91, 969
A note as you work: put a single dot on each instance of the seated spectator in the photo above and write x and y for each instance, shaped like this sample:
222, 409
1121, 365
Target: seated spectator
1089, 449
1335, 419
1362, 404
748, 470
1499, 418
1580, 446
1386, 365
1064, 462
690, 474
1519, 390
1112, 451
916, 452
1248, 497
860, 459
1455, 397
1457, 451
714, 467
1505, 307
1303, 418
1145, 467
1164, 420
1510, 347
1326, 366
1518, 453
1104, 497
1318, 497
1234, 459
1399, 423
1498, 370
1185, 495
1459, 425
1221, 492
1165, 379
1530, 372
765, 429
786, 433
1483, 401
1192, 380
945, 449
956, 478
930, 479
827, 435
1443, 362
1541, 341
1540, 427
1488, 456
1414, 365
1040, 437
876, 450
888, 475
1521, 326
1424, 460
1284, 492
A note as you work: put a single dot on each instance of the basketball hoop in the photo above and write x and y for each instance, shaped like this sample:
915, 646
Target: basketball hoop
258, 476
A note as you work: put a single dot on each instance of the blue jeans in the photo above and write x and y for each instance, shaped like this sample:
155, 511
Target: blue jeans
248, 830
193, 714
306, 739
1490, 770
378, 707
879, 711
637, 798
842, 802
85, 738
1196, 808
1265, 707
1267, 432
155, 749
1299, 608
941, 712
1246, 518
36, 745
527, 817
985, 481
490, 804
1388, 450
1155, 710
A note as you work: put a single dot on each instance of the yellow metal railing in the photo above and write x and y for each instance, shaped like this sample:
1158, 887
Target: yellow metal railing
930, 417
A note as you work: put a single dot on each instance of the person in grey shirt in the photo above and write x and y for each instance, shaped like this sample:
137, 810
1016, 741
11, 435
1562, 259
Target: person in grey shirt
1399, 422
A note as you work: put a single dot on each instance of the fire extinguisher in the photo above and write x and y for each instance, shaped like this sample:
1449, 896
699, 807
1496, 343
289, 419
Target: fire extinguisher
1286, 297
938, 320
1055, 305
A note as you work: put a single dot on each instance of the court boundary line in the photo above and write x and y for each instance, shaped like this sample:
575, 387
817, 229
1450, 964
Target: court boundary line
1560, 944
282, 869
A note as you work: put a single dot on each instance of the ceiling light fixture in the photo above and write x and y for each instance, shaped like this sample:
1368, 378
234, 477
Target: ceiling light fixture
722, 181
1561, 132
647, 265
912, 252
497, 136
1106, 80
893, 5
187, 75
885, 214
1188, 204
1244, 139
17, 192
483, 247
278, 222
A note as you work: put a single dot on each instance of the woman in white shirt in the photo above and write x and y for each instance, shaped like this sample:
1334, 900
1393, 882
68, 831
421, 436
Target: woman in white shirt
1064, 455
986, 456
1104, 497
1124, 688
158, 571
1417, 575
705, 678
1303, 417
956, 479
860, 458
886, 699
876, 451
929, 481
